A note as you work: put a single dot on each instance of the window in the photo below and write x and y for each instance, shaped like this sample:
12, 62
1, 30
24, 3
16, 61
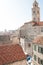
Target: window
35, 5
33, 11
38, 19
35, 47
34, 19
35, 57
42, 29
40, 50
38, 12
40, 61
29, 45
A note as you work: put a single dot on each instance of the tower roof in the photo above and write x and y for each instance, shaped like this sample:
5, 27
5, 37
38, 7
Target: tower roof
35, 3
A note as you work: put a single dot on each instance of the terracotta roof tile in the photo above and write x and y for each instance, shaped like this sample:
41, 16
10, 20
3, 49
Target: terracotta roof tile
38, 23
38, 40
35, 23
11, 53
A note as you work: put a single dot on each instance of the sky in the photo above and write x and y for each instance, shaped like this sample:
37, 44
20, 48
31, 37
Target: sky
14, 13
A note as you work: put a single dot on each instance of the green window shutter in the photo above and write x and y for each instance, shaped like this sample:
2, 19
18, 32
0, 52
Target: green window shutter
35, 57
35, 47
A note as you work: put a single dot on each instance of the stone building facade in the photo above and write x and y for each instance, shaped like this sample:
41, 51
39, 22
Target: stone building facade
31, 29
38, 50
5, 39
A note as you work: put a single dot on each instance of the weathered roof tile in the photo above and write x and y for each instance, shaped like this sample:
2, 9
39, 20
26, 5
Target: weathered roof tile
11, 53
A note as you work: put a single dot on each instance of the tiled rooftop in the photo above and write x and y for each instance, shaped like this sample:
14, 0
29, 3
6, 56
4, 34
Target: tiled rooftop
38, 40
38, 23
11, 53
35, 23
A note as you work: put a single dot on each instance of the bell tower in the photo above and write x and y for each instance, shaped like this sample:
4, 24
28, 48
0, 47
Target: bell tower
35, 12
